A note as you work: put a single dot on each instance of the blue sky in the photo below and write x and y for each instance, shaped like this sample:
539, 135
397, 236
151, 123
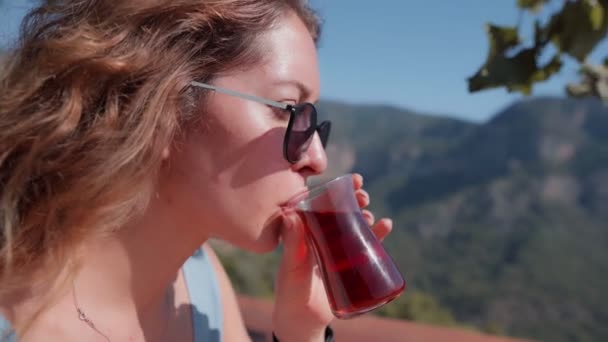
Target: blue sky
411, 54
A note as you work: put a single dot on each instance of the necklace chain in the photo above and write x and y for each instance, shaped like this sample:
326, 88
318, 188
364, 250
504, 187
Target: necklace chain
83, 317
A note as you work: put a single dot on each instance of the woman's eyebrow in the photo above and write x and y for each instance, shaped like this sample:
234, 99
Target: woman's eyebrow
304, 91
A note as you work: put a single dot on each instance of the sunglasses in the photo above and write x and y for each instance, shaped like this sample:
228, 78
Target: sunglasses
300, 129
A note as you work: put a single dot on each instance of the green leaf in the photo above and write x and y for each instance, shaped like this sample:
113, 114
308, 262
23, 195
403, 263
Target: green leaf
551, 68
515, 73
579, 89
525, 89
596, 16
532, 5
498, 69
540, 33
593, 82
572, 30
501, 38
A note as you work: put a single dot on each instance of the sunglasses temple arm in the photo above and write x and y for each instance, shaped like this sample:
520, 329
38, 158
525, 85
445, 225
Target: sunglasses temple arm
241, 95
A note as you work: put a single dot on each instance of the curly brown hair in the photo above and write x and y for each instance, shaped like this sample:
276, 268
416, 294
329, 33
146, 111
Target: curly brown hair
89, 97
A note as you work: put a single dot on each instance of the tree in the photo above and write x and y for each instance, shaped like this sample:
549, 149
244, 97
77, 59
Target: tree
573, 31
420, 307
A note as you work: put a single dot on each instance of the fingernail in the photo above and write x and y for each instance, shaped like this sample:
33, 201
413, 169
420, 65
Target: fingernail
287, 222
290, 219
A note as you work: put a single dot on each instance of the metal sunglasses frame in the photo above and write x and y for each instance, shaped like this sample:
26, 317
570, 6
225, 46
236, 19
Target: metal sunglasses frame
323, 129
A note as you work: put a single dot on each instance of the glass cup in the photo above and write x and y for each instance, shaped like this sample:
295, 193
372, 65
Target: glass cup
358, 274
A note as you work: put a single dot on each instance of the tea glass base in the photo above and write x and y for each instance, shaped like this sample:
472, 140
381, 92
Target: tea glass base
352, 314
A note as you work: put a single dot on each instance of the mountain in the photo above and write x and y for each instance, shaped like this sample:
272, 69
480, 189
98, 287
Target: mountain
385, 143
500, 225
542, 136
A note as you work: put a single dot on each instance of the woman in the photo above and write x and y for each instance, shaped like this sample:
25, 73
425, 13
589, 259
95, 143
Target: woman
131, 132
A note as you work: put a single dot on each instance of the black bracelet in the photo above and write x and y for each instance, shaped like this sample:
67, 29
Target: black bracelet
329, 335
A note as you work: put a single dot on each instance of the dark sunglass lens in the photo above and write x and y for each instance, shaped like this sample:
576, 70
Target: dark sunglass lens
323, 129
301, 132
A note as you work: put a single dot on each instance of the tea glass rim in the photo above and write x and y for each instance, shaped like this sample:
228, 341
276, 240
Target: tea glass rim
313, 192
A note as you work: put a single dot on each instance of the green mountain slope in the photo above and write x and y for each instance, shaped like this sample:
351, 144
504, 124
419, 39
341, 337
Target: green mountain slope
503, 223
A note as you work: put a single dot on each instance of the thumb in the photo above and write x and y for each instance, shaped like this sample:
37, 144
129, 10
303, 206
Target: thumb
295, 247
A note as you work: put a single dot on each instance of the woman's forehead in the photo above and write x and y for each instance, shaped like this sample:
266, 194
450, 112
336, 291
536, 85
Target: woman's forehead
291, 56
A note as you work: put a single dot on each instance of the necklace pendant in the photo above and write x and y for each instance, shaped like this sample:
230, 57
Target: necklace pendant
81, 315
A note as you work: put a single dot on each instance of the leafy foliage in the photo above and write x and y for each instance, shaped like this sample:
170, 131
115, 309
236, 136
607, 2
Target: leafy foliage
419, 307
533, 5
575, 30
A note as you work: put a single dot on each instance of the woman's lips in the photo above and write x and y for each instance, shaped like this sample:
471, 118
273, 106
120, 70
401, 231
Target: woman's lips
289, 202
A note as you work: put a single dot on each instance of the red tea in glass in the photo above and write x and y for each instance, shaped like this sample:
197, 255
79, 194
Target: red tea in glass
358, 274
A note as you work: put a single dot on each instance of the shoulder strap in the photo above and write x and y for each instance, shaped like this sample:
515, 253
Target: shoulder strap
6, 331
204, 292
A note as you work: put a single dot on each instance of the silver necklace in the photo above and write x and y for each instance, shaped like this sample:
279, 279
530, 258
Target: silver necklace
84, 318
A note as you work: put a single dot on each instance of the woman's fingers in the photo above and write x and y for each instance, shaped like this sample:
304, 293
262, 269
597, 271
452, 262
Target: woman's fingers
382, 228
362, 198
368, 216
357, 181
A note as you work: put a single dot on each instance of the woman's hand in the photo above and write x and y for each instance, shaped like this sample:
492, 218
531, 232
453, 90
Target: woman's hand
301, 310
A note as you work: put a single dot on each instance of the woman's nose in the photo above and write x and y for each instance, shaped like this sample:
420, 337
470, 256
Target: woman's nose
314, 159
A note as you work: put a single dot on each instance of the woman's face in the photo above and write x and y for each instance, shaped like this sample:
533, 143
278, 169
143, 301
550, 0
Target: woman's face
228, 175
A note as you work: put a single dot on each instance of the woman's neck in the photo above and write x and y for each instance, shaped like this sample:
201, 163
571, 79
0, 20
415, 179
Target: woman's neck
136, 266
124, 283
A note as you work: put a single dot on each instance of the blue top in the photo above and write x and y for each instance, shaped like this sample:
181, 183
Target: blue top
204, 292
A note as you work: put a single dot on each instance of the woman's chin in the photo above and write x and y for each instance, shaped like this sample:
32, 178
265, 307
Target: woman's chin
261, 241
269, 238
